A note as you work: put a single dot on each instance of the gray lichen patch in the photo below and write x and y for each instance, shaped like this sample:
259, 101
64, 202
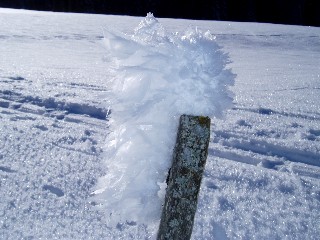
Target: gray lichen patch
189, 158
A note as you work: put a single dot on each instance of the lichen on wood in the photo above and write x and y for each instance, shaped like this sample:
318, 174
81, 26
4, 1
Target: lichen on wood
189, 158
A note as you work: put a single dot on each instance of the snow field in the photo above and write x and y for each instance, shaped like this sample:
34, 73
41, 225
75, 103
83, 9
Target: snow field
57, 82
272, 129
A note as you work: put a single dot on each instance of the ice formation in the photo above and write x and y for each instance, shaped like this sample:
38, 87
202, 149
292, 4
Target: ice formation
262, 177
157, 77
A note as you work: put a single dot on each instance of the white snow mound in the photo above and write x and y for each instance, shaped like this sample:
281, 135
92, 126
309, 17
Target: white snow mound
157, 77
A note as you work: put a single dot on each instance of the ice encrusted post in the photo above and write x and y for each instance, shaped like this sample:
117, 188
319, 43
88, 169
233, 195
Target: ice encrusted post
184, 179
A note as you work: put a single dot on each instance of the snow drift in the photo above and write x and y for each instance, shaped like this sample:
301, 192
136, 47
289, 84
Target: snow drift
157, 77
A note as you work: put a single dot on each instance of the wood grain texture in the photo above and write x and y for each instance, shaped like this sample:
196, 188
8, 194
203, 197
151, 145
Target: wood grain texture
189, 158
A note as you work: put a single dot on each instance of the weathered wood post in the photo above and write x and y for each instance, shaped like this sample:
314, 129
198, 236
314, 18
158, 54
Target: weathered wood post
184, 179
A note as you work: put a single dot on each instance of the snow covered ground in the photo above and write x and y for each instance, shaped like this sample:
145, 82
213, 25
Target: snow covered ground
56, 87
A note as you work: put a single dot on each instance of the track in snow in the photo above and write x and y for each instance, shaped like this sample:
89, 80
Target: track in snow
262, 174
269, 146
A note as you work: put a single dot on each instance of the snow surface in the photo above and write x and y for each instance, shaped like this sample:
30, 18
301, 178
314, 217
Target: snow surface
59, 81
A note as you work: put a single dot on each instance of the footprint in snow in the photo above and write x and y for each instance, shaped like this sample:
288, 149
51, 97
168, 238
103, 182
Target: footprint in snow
6, 169
17, 78
54, 190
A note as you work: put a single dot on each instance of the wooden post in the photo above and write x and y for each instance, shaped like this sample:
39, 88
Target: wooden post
184, 179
